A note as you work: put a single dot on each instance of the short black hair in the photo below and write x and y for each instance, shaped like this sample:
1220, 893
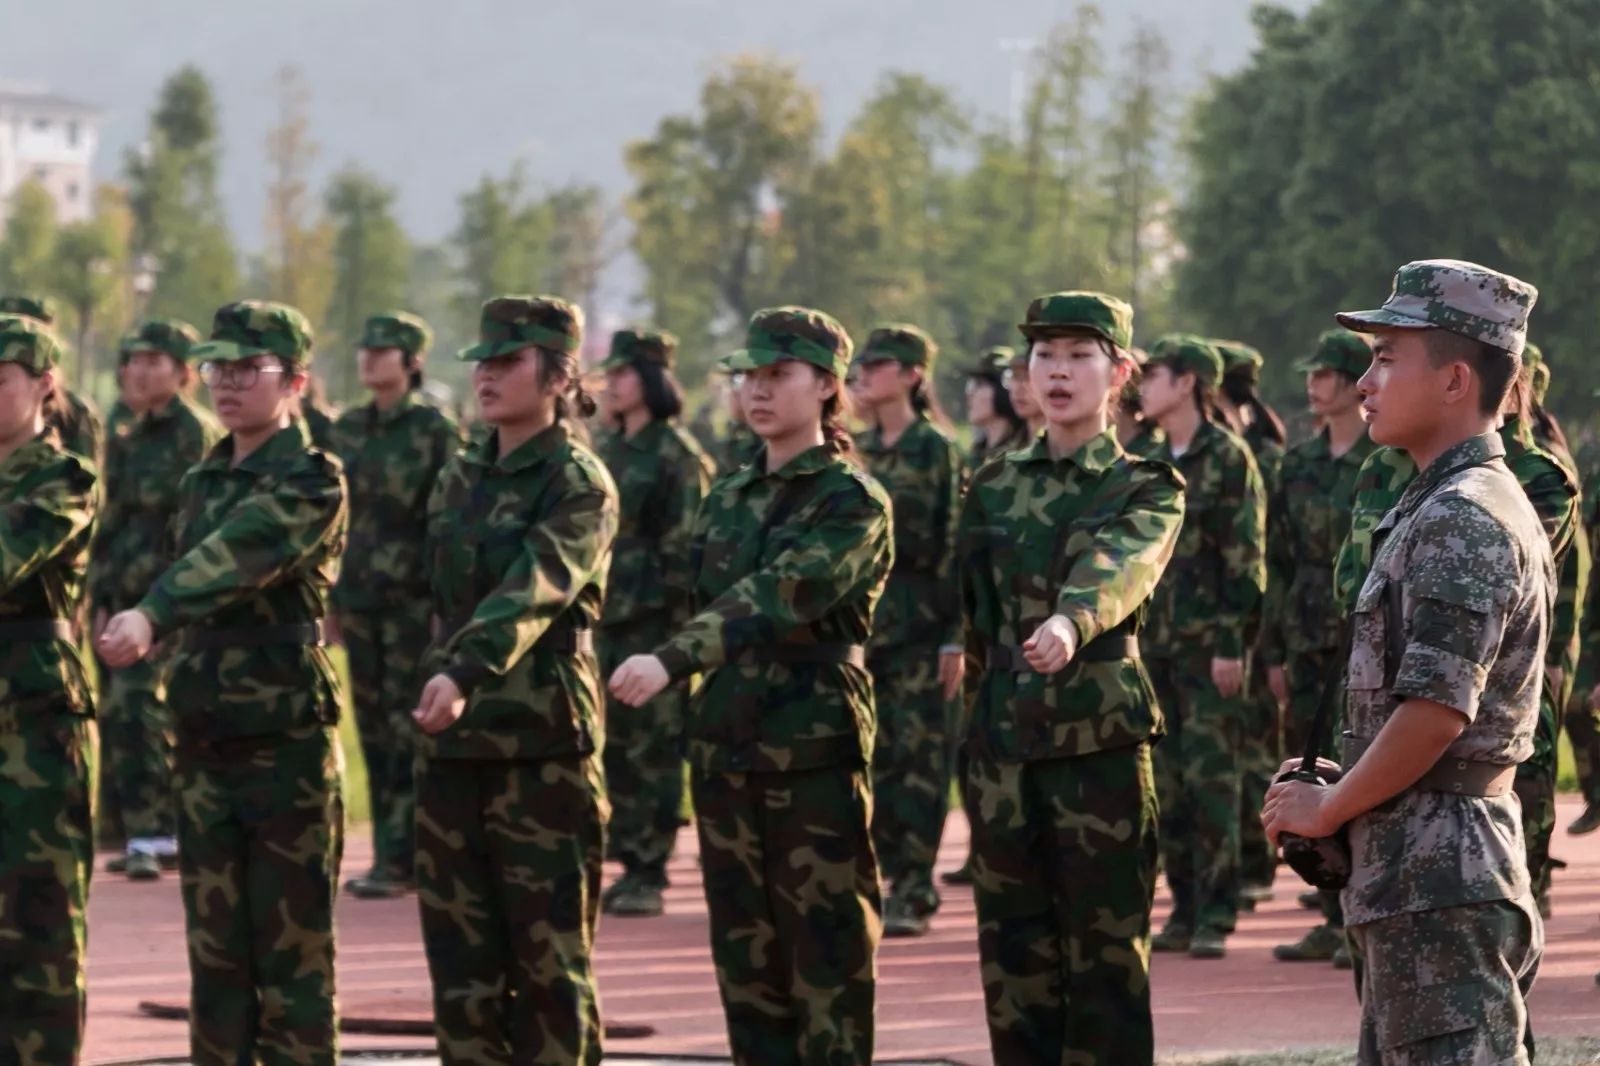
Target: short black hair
1495, 367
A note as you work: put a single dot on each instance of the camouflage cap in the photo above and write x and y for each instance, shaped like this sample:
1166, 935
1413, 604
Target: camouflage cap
26, 340
511, 323
1186, 353
256, 327
1240, 360
41, 308
993, 362
779, 333
1339, 349
899, 342
1067, 312
641, 345
172, 336
1449, 294
397, 329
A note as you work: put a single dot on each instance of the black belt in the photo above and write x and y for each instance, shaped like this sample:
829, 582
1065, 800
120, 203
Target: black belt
792, 654
305, 634
38, 630
1102, 649
1460, 777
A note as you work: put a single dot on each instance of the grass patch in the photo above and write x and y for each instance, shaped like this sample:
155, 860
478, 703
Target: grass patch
1554, 1051
357, 802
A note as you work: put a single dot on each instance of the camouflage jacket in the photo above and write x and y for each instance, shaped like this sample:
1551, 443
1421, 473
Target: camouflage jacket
1087, 537
257, 545
923, 476
1209, 599
798, 556
1308, 518
662, 475
391, 460
1149, 443
119, 422
1470, 563
983, 450
739, 445
48, 499
1589, 616
144, 467
1268, 453
518, 548
1382, 479
319, 423
78, 425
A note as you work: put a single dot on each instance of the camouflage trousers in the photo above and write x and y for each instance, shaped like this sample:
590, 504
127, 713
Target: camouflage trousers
1309, 675
384, 649
1064, 865
1583, 729
792, 886
1536, 788
1260, 754
508, 879
260, 836
1198, 781
46, 853
910, 772
643, 759
136, 737
1448, 987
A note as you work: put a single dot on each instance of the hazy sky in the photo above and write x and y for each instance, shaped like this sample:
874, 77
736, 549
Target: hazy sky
432, 95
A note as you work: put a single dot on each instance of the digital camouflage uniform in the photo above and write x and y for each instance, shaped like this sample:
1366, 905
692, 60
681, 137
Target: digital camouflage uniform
1206, 607
787, 567
511, 805
1261, 750
48, 499
391, 460
662, 476
1060, 790
145, 463
918, 617
1439, 897
255, 702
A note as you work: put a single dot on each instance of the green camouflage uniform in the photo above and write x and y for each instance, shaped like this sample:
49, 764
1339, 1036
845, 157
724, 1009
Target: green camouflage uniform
511, 804
391, 460
320, 420
1582, 719
1261, 741
991, 368
662, 476
255, 701
48, 499
787, 567
1205, 608
1060, 789
919, 615
144, 465
1439, 898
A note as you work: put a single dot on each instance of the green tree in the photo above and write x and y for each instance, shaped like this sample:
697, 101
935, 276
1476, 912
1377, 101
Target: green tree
1135, 140
28, 241
90, 273
178, 219
502, 242
297, 266
371, 261
580, 243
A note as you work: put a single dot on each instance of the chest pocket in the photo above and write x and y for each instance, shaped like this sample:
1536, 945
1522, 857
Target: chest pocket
1369, 636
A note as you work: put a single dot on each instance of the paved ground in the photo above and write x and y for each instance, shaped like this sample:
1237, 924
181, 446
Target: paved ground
656, 972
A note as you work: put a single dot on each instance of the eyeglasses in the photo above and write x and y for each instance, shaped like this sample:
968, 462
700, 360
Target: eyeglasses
1007, 376
236, 375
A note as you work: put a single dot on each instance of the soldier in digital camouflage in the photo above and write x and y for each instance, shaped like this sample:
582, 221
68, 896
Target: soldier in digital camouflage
1203, 620
48, 500
1261, 750
254, 698
511, 802
1060, 547
393, 447
145, 463
1308, 518
915, 652
997, 427
662, 475
790, 556
1449, 637
77, 424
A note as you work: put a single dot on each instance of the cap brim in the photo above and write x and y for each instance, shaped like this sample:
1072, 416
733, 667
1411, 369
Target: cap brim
224, 352
1379, 318
477, 353
751, 358
614, 362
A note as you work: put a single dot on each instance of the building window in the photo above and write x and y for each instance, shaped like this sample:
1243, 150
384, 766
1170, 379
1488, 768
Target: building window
72, 134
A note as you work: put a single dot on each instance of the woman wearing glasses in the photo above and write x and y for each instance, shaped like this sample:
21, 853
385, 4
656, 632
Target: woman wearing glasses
260, 529
47, 506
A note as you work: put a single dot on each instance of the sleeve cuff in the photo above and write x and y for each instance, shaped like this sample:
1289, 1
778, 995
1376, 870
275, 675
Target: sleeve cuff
158, 609
467, 675
1230, 645
1428, 673
1084, 623
678, 662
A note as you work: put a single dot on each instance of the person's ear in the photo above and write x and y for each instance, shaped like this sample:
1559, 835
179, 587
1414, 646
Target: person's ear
296, 382
1458, 386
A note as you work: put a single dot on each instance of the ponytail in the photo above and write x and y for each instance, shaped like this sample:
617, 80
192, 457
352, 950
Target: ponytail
836, 409
577, 404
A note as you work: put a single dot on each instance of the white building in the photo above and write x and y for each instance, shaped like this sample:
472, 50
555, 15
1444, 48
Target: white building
49, 139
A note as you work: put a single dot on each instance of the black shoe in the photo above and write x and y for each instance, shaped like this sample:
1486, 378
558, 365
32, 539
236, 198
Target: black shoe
961, 875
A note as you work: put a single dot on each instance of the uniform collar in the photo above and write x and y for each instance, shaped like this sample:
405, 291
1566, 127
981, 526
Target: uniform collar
407, 403
872, 439
46, 441
807, 462
282, 447
1094, 456
648, 439
1471, 452
486, 452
